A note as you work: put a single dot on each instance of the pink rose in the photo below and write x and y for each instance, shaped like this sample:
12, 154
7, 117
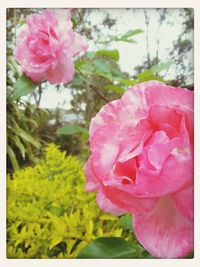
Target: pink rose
46, 46
142, 163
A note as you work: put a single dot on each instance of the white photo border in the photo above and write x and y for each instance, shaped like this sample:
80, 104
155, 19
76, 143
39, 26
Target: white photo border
195, 4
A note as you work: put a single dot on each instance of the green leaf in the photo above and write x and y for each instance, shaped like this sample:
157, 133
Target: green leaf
84, 66
125, 37
114, 88
114, 54
56, 240
190, 256
101, 65
148, 75
24, 135
71, 129
145, 254
102, 69
23, 86
128, 82
108, 248
19, 144
161, 67
77, 81
131, 33
107, 217
90, 55
126, 221
85, 135
12, 157
127, 40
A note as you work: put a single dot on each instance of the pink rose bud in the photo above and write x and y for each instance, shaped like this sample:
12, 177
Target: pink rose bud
142, 163
46, 46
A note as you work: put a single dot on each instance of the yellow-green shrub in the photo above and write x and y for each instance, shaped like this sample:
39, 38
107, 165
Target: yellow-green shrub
49, 214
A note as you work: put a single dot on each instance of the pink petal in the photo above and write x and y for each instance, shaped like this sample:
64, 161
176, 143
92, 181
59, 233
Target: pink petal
160, 114
174, 175
158, 153
163, 231
157, 93
62, 72
106, 205
65, 13
184, 201
92, 183
35, 77
107, 129
127, 201
173, 163
116, 113
104, 156
79, 44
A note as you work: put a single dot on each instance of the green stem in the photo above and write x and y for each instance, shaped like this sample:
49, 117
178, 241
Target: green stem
92, 86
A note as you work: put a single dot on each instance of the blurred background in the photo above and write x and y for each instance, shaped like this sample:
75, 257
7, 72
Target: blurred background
126, 46
164, 39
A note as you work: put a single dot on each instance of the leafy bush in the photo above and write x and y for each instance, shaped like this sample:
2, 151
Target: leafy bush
21, 146
49, 214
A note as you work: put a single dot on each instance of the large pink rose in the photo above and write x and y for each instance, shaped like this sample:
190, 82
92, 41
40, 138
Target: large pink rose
46, 46
142, 163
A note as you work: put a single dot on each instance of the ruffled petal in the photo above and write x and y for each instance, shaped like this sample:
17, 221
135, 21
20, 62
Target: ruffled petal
62, 72
184, 201
157, 93
106, 205
78, 45
127, 201
174, 176
107, 129
163, 231
92, 183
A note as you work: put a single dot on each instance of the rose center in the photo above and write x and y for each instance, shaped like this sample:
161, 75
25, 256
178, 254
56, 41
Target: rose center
126, 170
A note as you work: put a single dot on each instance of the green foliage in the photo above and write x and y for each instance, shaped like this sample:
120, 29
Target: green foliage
124, 38
114, 54
20, 131
126, 221
114, 88
110, 248
102, 63
101, 66
162, 66
49, 214
23, 86
147, 75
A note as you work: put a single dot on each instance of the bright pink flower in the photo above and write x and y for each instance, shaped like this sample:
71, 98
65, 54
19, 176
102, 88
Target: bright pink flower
46, 46
142, 163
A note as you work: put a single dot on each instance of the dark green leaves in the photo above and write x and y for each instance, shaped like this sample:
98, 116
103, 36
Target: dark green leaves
109, 248
71, 129
23, 86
